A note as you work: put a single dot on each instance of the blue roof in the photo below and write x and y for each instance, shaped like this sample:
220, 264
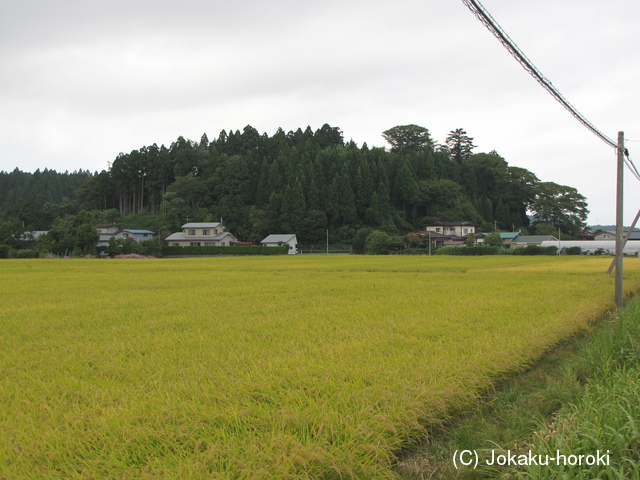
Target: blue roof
137, 231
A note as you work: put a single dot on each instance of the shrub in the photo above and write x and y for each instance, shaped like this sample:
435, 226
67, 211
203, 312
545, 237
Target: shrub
534, 250
236, 250
573, 251
378, 243
471, 251
414, 251
27, 254
4, 251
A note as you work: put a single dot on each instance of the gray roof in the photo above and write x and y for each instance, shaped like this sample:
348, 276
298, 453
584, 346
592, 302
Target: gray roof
451, 224
137, 231
282, 237
505, 235
201, 225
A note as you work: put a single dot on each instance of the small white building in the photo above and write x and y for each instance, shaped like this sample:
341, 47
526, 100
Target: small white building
282, 239
201, 235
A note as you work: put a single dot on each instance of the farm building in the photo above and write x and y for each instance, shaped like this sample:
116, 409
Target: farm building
524, 240
201, 235
281, 239
507, 237
595, 246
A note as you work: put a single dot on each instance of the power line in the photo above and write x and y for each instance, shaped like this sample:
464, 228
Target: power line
480, 12
630, 164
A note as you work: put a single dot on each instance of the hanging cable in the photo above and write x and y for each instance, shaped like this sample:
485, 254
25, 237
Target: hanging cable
488, 21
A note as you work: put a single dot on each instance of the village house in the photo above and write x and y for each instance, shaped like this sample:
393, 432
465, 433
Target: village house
525, 240
201, 235
507, 237
450, 234
611, 235
136, 234
457, 229
282, 239
105, 232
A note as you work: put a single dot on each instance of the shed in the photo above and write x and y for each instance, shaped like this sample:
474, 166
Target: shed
275, 240
524, 240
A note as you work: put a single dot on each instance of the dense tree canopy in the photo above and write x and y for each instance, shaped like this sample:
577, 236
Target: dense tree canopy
303, 182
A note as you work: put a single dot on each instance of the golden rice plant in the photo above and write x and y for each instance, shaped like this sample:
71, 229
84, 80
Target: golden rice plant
260, 368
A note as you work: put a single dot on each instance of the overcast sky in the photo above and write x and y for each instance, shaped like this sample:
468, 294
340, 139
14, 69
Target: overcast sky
83, 80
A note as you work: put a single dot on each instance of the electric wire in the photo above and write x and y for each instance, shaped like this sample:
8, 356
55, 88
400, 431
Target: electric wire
488, 21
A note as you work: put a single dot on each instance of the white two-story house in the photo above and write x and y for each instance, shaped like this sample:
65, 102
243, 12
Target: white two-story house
201, 235
458, 229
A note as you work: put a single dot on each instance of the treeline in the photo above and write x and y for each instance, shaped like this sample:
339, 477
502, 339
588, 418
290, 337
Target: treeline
38, 198
306, 182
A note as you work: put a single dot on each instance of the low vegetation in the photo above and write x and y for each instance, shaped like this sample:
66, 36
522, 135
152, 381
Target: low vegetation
581, 399
266, 367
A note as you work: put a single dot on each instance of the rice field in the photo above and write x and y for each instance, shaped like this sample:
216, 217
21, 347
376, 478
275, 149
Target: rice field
266, 367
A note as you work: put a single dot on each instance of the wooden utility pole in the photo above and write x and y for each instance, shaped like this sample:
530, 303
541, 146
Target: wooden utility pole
619, 222
626, 239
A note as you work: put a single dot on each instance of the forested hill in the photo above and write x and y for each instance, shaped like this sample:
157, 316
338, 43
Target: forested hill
38, 198
306, 182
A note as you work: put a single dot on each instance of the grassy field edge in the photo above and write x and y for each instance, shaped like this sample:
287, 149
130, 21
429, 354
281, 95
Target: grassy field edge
581, 397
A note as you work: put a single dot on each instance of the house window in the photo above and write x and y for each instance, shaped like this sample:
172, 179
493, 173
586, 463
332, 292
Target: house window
466, 231
209, 244
175, 244
222, 244
192, 232
206, 232
195, 244
437, 229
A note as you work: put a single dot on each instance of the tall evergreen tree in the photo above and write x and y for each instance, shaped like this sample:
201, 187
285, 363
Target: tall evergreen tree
460, 145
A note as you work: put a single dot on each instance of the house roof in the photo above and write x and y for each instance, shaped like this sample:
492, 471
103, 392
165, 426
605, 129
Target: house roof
137, 231
106, 225
180, 236
506, 235
535, 239
451, 224
438, 235
281, 237
201, 225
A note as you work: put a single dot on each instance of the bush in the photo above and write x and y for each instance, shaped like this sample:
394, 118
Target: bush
534, 250
414, 251
237, 250
472, 251
152, 247
27, 254
378, 243
4, 251
573, 251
